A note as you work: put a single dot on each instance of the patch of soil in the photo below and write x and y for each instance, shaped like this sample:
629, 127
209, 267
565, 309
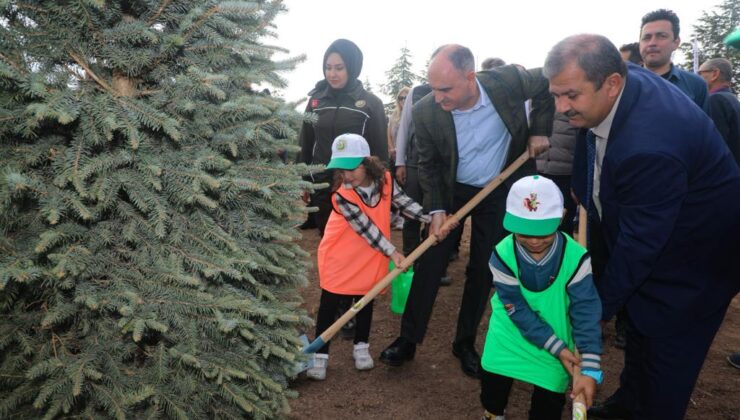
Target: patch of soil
432, 386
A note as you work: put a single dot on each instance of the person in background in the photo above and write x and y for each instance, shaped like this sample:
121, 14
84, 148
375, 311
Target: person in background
723, 106
556, 163
657, 176
341, 105
491, 63
395, 120
407, 172
658, 40
631, 53
393, 124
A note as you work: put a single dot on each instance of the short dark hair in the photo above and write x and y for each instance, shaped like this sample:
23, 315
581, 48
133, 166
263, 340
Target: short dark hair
594, 54
723, 65
460, 57
663, 14
634, 50
492, 63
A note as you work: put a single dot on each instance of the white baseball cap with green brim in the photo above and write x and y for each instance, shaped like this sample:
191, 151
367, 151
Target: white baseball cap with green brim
348, 151
534, 207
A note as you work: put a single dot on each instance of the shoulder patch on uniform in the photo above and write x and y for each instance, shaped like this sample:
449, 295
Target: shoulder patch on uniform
314, 103
360, 103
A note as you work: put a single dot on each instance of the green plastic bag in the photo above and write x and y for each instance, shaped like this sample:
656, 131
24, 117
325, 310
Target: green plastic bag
400, 287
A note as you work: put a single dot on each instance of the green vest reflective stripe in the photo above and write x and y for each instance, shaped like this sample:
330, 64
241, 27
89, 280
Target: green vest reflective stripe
506, 352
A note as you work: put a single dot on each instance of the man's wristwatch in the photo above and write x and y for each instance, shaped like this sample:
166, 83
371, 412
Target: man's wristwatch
597, 375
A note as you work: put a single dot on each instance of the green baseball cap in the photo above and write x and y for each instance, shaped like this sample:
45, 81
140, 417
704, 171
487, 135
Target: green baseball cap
347, 152
534, 207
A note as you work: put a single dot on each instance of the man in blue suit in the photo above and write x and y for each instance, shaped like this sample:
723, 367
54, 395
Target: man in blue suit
665, 190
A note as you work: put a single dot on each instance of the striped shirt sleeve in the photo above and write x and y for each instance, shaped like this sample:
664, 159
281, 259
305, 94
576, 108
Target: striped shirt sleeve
585, 314
407, 206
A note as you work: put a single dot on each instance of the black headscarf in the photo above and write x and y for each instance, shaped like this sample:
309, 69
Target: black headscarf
352, 57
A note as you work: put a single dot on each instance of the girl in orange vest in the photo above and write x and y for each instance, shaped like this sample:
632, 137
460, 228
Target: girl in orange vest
354, 251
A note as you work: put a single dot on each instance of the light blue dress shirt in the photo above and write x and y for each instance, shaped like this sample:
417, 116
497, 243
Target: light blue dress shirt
482, 142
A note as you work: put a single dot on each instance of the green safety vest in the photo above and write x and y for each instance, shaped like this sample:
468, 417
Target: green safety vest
506, 351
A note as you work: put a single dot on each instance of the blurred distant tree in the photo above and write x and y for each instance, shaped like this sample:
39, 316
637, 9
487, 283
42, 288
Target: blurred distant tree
368, 86
400, 74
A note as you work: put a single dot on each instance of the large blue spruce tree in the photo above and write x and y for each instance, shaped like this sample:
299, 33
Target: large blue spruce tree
147, 259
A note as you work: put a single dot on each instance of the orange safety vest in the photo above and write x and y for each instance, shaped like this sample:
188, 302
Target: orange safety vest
348, 265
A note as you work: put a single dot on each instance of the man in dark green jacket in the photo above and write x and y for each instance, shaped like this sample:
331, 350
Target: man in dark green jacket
468, 130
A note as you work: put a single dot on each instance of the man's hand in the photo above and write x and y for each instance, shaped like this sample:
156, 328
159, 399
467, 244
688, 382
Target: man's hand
569, 360
585, 385
436, 227
401, 175
537, 145
438, 219
306, 197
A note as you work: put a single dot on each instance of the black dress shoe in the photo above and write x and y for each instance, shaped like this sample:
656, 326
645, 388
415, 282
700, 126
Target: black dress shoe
611, 408
398, 352
469, 360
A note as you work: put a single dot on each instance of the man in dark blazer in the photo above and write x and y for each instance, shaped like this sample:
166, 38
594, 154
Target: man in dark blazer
667, 193
722, 105
468, 129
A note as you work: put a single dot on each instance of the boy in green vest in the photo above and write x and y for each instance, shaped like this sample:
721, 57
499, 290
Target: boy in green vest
545, 305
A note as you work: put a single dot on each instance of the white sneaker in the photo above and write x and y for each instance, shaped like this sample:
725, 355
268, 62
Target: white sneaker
360, 353
318, 371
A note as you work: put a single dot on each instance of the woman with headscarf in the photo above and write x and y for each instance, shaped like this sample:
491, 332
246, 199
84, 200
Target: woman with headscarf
342, 105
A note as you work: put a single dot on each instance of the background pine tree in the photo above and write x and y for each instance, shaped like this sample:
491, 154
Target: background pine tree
147, 262
710, 30
400, 75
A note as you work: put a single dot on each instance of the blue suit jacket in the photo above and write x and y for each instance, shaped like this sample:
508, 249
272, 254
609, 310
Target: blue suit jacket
670, 195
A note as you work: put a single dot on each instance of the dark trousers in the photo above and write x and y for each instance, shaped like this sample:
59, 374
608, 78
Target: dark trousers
328, 306
494, 395
322, 199
563, 182
412, 228
599, 258
487, 230
660, 372
412, 233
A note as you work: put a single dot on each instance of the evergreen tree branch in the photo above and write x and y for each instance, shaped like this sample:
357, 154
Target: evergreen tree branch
16, 66
159, 11
80, 62
210, 12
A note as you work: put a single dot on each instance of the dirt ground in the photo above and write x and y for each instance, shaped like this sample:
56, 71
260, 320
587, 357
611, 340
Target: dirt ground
432, 386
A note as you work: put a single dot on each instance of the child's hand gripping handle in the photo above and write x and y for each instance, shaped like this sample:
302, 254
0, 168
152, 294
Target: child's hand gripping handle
580, 405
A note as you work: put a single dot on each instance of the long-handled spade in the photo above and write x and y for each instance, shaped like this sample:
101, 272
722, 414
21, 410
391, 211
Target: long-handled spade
579, 402
329, 333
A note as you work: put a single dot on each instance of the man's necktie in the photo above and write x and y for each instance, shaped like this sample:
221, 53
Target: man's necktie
590, 161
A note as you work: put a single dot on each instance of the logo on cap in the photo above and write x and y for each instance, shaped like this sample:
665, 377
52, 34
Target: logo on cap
531, 203
341, 144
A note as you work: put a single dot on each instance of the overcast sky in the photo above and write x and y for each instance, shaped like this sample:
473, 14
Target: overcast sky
519, 31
